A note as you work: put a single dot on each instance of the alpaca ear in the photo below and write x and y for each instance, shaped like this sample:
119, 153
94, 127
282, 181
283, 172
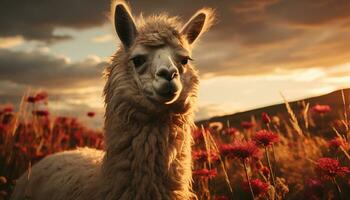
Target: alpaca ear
198, 24
124, 25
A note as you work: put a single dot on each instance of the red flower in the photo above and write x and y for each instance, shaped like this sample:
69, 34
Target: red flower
247, 125
74, 122
265, 138
202, 156
65, 138
41, 96
61, 120
336, 143
197, 134
205, 173
265, 118
321, 109
221, 198
91, 114
78, 135
8, 109
31, 99
230, 131
41, 113
259, 188
241, 150
329, 168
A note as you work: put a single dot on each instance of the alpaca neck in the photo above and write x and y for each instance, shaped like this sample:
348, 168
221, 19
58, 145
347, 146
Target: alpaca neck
148, 160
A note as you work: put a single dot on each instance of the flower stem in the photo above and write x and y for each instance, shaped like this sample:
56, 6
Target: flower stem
246, 174
273, 152
271, 171
275, 167
338, 188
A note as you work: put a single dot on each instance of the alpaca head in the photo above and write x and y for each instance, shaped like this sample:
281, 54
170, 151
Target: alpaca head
152, 69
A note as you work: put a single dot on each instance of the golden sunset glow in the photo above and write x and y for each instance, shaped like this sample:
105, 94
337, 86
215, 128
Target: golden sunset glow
256, 48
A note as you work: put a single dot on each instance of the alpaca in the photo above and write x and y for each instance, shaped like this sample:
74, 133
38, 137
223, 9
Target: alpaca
150, 94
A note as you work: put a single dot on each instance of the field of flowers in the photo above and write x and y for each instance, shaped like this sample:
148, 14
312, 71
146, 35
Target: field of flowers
304, 156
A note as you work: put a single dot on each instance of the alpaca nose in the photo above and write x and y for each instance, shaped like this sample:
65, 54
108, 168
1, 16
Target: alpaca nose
167, 73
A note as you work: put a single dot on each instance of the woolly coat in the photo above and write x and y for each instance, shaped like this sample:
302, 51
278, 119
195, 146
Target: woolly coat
148, 147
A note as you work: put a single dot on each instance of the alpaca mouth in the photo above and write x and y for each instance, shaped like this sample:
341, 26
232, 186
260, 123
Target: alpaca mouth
167, 97
167, 92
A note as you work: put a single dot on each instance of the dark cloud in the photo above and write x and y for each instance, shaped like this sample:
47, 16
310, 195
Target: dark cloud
278, 34
258, 36
250, 22
46, 70
311, 13
243, 22
324, 49
37, 20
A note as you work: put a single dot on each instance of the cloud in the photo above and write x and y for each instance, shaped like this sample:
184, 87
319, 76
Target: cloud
103, 38
207, 110
37, 20
311, 13
39, 69
8, 42
258, 37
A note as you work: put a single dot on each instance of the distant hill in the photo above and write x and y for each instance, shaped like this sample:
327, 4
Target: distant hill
333, 99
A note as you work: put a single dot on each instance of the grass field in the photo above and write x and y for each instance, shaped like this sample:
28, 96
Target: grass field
301, 156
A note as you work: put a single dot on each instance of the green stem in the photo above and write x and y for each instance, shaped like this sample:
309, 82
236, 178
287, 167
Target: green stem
246, 174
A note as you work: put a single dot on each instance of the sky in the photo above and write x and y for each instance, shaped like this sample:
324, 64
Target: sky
256, 50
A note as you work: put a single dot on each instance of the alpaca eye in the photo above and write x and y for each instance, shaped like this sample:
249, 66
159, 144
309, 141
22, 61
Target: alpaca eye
185, 59
139, 60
